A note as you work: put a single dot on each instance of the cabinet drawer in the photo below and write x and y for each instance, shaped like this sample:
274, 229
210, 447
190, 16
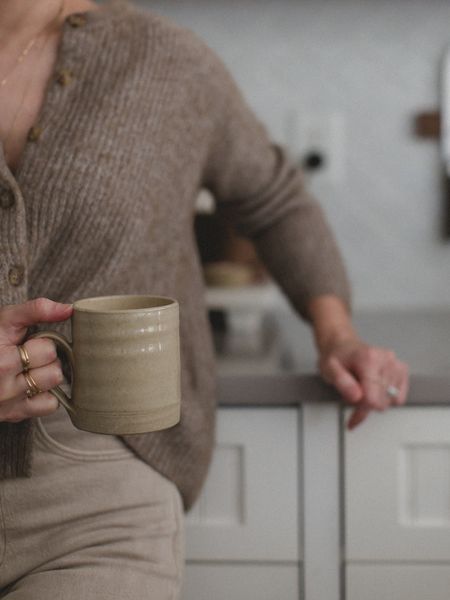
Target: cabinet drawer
241, 582
397, 582
397, 485
248, 509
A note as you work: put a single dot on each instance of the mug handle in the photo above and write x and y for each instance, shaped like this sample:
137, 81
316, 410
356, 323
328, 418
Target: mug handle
64, 343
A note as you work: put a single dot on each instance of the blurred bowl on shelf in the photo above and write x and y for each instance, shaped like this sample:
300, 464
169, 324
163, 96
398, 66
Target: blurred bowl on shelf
228, 274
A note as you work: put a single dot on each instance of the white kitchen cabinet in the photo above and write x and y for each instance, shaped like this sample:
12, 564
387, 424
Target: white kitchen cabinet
241, 582
397, 486
243, 533
397, 505
297, 506
248, 509
397, 582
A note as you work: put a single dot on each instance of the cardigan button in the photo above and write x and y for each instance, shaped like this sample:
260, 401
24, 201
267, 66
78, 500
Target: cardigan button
34, 133
7, 198
64, 76
16, 274
77, 19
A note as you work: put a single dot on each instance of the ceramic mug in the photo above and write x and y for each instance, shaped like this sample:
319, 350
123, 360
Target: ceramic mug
125, 364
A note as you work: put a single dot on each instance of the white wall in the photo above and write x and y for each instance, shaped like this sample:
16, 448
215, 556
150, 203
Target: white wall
376, 62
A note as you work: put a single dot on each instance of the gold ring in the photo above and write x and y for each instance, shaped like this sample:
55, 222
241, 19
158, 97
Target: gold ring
32, 386
24, 357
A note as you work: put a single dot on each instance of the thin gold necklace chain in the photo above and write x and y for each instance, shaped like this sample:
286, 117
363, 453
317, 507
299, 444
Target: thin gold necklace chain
16, 114
31, 43
19, 60
5, 140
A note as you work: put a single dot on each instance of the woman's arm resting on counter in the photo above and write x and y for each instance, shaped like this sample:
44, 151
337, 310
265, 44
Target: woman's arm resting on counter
261, 191
361, 373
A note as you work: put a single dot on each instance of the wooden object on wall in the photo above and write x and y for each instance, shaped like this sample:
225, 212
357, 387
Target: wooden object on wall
427, 124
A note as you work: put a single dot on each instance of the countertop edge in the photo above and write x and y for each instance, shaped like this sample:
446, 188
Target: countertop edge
294, 389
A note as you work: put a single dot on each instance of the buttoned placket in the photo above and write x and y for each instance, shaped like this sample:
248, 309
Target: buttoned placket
63, 75
10, 193
11, 200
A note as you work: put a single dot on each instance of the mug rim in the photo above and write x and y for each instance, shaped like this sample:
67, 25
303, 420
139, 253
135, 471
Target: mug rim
172, 303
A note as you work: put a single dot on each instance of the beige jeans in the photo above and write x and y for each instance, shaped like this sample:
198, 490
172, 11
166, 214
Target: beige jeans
93, 522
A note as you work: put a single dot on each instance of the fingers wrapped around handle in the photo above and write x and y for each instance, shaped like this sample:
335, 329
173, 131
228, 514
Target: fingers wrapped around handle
66, 346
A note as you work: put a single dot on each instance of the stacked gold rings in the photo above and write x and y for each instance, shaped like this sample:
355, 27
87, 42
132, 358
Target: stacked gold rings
32, 386
24, 357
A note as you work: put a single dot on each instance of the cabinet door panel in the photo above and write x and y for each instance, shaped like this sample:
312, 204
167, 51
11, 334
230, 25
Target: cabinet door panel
397, 485
397, 582
248, 509
241, 582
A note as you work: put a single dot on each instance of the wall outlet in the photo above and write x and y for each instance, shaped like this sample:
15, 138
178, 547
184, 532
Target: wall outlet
316, 142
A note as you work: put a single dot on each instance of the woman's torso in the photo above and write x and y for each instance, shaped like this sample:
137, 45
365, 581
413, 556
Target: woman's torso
103, 200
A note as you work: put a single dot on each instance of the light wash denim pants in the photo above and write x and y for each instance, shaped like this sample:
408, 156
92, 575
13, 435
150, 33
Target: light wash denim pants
94, 522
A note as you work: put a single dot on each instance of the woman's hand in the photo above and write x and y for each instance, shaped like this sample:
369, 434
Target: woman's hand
362, 374
45, 367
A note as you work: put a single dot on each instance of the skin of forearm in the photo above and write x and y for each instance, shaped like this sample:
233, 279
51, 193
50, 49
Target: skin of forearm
330, 321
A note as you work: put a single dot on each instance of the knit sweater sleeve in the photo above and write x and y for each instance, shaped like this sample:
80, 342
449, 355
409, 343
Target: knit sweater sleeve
262, 192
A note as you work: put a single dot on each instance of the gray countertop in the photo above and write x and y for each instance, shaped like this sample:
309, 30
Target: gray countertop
419, 337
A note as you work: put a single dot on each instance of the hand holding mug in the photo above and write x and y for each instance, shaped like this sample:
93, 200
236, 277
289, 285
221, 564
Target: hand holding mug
44, 365
124, 357
125, 363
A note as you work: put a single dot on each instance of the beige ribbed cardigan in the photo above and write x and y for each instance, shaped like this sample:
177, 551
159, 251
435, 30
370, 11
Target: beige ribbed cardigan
139, 116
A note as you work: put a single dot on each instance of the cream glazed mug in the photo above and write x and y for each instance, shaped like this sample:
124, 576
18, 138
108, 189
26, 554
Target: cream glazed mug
125, 364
